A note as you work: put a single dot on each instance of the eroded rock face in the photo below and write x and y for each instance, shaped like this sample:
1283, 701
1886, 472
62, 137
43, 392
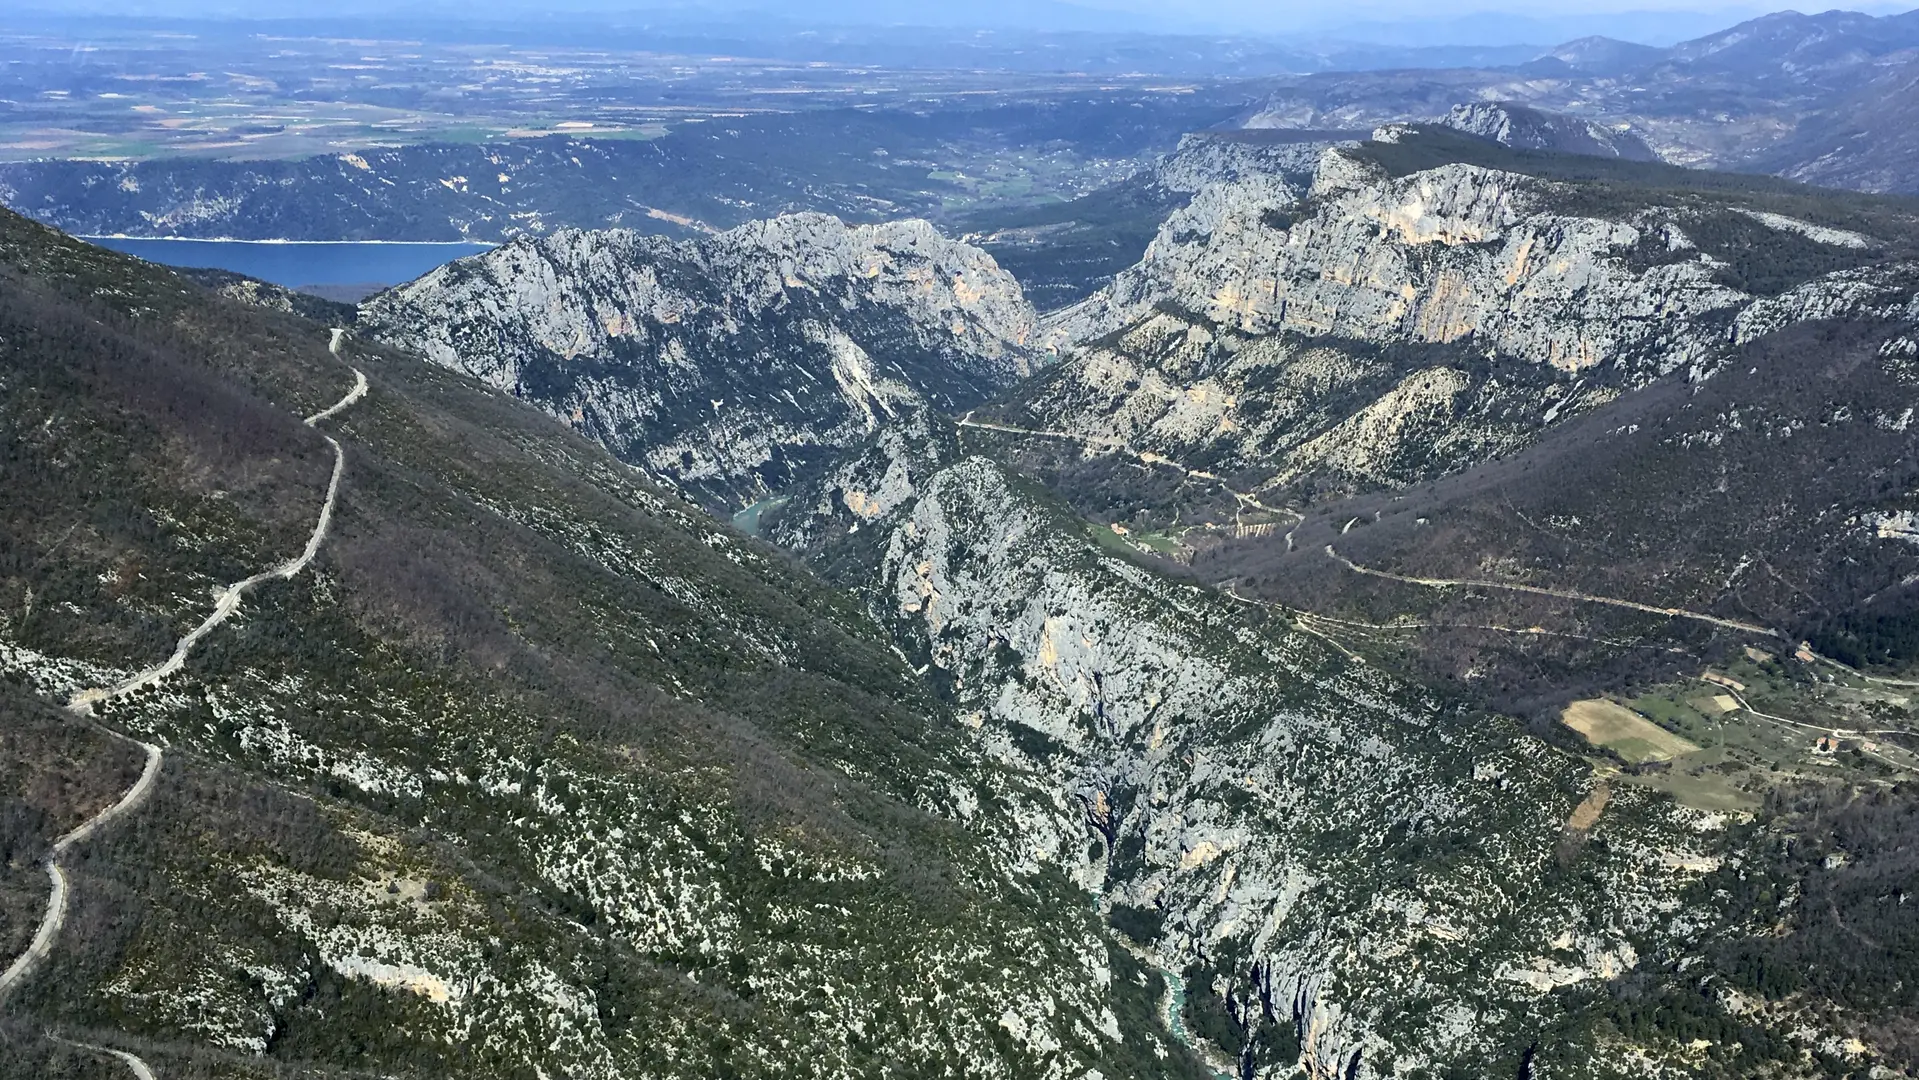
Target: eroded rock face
1880, 292
1453, 254
1524, 128
1376, 329
1355, 869
1279, 165
1277, 410
730, 363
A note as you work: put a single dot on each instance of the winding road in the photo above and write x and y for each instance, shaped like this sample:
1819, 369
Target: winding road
1145, 457
140, 1068
1562, 594
229, 598
82, 704
56, 915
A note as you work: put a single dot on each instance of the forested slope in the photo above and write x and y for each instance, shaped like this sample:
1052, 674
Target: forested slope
536, 771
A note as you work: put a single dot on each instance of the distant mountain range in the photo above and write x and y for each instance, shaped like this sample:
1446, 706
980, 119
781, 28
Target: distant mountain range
1821, 97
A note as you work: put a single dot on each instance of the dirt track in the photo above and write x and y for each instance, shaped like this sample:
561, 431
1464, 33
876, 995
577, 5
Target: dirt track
1562, 594
82, 703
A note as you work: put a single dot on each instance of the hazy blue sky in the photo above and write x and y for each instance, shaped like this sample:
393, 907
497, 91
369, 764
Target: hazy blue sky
1542, 21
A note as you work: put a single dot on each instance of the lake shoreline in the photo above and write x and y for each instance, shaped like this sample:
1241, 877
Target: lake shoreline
90, 237
301, 264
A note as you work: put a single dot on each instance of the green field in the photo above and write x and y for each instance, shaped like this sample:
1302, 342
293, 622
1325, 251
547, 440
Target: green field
1134, 541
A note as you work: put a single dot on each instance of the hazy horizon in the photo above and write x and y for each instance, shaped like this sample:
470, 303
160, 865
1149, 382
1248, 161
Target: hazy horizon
1493, 22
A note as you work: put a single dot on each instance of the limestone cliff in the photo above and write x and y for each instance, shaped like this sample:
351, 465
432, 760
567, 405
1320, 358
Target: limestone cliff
1457, 253
729, 363
1525, 128
1357, 869
1391, 322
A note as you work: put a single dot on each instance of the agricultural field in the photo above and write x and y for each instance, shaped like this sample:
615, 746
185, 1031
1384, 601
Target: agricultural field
1119, 538
1720, 741
1634, 738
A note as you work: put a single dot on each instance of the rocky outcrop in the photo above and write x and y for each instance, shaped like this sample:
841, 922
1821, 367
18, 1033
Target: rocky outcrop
732, 363
1279, 164
1380, 328
1457, 253
1524, 128
1330, 852
1281, 409
1871, 293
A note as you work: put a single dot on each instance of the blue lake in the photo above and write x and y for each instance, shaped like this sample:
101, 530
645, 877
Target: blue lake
299, 262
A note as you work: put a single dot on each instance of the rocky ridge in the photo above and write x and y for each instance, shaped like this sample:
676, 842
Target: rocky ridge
1524, 128
1280, 166
1388, 324
1456, 253
725, 364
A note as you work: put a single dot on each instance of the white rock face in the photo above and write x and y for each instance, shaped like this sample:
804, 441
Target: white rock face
1879, 292
728, 362
1285, 166
1844, 238
1298, 821
1453, 254
1373, 329
1902, 525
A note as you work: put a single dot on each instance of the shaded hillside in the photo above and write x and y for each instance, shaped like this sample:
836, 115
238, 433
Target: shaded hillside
1778, 492
1869, 141
264, 294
